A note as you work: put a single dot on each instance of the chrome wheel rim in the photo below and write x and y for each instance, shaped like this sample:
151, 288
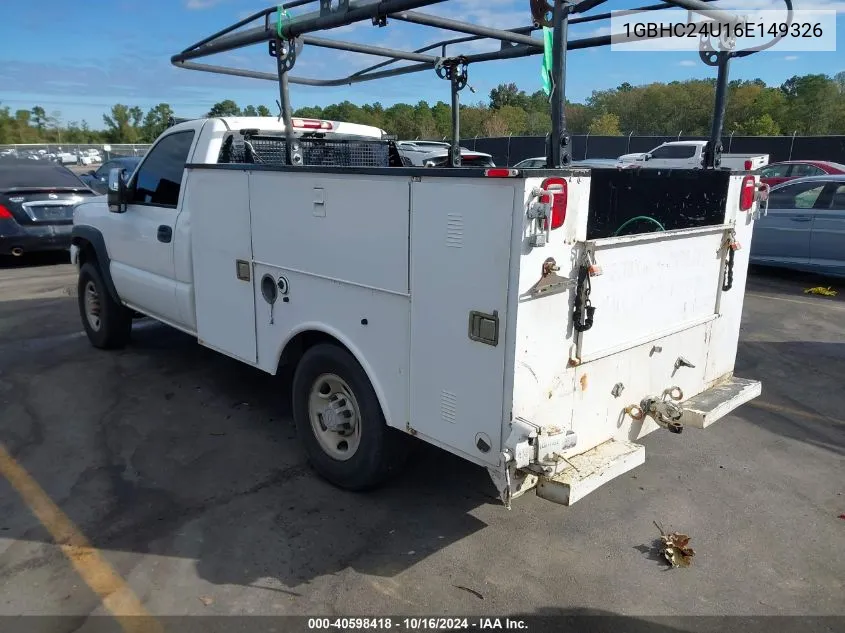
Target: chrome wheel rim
335, 416
93, 308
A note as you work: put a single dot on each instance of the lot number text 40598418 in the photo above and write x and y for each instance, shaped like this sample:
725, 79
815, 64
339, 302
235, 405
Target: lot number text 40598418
416, 624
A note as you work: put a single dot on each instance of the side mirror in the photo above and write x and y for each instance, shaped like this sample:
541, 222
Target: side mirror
92, 173
647, 157
116, 191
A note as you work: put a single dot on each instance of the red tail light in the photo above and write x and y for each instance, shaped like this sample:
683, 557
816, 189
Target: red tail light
748, 165
312, 124
558, 187
746, 194
5, 214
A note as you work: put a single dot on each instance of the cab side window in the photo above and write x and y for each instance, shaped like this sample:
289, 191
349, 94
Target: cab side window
159, 178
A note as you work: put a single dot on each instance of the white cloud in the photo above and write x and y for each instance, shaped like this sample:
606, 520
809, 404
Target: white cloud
687, 63
790, 58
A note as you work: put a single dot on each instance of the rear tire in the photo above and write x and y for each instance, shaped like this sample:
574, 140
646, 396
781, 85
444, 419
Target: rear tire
340, 423
107, 323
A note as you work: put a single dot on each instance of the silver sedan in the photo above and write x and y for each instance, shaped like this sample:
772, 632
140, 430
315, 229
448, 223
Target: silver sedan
804, 228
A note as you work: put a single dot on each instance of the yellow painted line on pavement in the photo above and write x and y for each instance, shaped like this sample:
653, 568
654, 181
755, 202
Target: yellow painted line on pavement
94, 569
828, 303
776, 408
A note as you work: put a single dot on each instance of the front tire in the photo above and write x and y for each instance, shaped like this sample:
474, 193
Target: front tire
340, 423
107, 323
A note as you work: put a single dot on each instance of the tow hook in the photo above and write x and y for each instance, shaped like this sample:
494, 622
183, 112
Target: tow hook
665, 412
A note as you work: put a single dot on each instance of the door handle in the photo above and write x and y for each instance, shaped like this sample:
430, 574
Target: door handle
165, 233
800, 218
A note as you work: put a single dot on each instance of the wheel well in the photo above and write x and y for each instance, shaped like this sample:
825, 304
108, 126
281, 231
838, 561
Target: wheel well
302, 342
86, 251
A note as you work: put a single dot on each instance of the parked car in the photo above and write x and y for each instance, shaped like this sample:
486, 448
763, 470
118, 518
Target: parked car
539, 162
98, 179
690, 155
776, 173
440, 158
36, 205
436, 154
804, 228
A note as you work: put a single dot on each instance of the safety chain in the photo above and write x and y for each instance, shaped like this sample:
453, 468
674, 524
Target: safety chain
732, 246
582, 315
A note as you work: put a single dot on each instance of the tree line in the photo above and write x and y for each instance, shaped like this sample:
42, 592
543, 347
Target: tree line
808, 105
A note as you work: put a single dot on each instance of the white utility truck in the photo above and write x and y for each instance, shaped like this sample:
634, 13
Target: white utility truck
536, 322
690, 155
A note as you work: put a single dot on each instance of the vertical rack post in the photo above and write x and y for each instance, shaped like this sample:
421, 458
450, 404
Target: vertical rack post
454, 69
560, 149
292, 148
713, 152
455, 149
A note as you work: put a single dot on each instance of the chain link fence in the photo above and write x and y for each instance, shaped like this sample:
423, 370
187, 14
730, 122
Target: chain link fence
74, 153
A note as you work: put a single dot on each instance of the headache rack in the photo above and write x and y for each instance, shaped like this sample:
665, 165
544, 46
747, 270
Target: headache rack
257, 147
287, 34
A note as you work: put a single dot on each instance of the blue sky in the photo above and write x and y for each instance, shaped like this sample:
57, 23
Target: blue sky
80, 58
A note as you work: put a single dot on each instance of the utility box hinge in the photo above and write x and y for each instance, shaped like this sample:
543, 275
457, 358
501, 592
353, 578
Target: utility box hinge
484, 328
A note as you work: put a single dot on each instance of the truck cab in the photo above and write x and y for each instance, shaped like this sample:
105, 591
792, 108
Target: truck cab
146, 244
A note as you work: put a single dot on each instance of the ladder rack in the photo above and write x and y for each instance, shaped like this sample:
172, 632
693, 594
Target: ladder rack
287, 34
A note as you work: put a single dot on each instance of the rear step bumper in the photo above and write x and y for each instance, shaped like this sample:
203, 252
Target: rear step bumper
595, 467
712, 405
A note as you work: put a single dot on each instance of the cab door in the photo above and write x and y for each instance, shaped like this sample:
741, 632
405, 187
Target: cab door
140, 240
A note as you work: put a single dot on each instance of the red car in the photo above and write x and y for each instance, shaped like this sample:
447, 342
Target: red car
776, 173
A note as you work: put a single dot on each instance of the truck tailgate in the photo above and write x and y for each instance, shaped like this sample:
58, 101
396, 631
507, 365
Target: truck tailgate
651, 286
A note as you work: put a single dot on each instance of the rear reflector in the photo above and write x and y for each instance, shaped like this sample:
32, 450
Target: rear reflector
5, 214
558, 188
501, 173
748, 165
746, 194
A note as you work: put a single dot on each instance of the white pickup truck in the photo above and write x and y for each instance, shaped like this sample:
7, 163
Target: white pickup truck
521, 319
690, 155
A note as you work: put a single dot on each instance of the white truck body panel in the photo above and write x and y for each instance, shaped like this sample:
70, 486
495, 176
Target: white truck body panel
393, 266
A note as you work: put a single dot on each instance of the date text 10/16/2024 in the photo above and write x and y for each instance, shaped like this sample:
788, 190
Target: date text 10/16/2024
417, 624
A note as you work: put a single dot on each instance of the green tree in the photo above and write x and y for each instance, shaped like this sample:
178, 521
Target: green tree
494, 125
812, 103
507, 94
156, 121
424, 121
264, 111
39, 117
514, 118
121, 126
224, 108
442, 114
763, 125
605, 125
250, 110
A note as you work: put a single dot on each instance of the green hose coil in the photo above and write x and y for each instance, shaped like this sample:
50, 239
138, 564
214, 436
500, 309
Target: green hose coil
639, 217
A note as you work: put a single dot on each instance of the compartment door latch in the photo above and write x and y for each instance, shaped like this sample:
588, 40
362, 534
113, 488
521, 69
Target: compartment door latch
484, 328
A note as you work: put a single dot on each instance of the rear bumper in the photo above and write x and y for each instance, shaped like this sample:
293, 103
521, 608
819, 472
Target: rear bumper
31, 238
588, 471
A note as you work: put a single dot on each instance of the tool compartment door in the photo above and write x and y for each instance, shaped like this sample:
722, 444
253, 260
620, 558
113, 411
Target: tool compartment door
460, 264
651, 286
222, 262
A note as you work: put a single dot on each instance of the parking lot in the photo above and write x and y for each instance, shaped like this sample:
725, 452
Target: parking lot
180, 468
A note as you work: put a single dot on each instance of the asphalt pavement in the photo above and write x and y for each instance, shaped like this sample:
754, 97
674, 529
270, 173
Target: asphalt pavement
179, 470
